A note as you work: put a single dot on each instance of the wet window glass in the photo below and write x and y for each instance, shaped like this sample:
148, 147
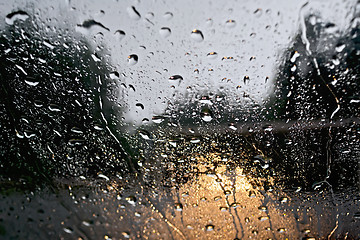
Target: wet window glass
179, 119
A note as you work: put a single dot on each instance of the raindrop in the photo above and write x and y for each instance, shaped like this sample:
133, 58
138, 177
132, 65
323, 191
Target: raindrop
227, 192
176, 78
144, 134
283, 199
281, 230
119, 34
158, 119
31, 81
263, 218
165, 32
294, 56
258, 12
235, 205
197, 35
178, 207
88, 24
262, 208
212, 55
68, 230
252, 194
132, 59
246, 79
217, 198
194, 140
131, 200
114, 75
340, 47
230, 23
206, 115
168, 15
205, 100
133, 13
76, 130
54, 108
140, 105
125, 234
18, 15
223, 209
232, 126
209, 227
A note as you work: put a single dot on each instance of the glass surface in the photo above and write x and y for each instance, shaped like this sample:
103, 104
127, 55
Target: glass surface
179, 119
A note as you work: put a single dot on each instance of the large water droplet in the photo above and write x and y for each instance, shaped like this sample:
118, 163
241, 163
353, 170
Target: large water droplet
18, 15
165, 32
197, 35
132, 59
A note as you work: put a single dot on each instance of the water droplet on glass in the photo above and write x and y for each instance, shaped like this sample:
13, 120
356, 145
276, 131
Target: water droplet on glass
18, 15
246, 79
158, 119
212, 55
262, 208
283, 199
125, 234
197, 35
31, 81
205, 100
230, 23
178, 207
340, 47
258, 12
114, 75
144, 134
232, 126
281, 230
294, 56
235, 205
165, 32
176, 78
263, 218
140, 105
133, 13
206, 115
223, 209
209, 227
119, 34
194, 140
88, 24
54, 108
131, 200
68, 230
132, 59
168, 15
